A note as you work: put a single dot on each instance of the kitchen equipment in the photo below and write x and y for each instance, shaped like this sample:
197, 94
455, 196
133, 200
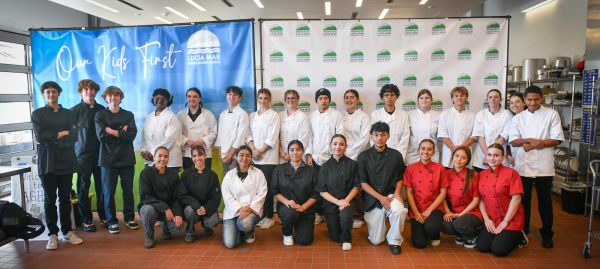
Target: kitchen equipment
562, 62
530, 67
517, 73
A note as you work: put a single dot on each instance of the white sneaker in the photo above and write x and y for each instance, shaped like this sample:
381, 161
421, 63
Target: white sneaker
357, 224
435, 243
261, 222
268, 223
72, 238
288, 240
346, 246
318, 218
52, 242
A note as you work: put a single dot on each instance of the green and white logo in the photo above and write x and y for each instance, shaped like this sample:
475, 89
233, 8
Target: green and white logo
303, 82
409, 105
464, 55
438, 29
357, 30
329, 81
360, 105
303, 56
438, 55
278, 105
384, 30
411, 29
437, 105
276, 30
490, 80
276, 56
463, 80
303, 30
330, 30
467, 105
330, 56
357, 56
436, 80
379, 104
384, 56
492, 28
409, 81
492, 54
304, 106
357, 82
382, 80
411, 56
466, 28
333, 104
276, 82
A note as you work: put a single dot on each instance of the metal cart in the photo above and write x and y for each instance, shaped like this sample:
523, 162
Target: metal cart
587, 247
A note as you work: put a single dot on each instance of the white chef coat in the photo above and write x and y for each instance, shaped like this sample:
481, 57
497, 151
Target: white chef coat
294, 127
423, 125
399, 128
458, 126
264, 129
237, 193
163, 130
324, 126
204, 127
233, 129
356, 130
543, 124
490, 127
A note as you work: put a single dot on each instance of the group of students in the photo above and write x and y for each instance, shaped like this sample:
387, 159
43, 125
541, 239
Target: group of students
315, 166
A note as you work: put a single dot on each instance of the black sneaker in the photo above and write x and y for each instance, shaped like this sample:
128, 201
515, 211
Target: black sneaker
208, 232
395, 249
114, 228
104, 223
471, 243
189, 238
459, 240
166, 236
88, 227
148, 242
524, 240
548, 243
132, 225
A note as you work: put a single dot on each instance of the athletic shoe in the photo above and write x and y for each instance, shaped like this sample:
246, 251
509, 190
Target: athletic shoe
472, 243
72, 238
288, 240
52, 242
459, 240
207, 232
524, 240
250, 238
318, 218
395, 249
357, 224
148, 242
88, 227
268, 223
104, 223
346, 246
189, 238
132, 225
261, 222
436, 243
114, 228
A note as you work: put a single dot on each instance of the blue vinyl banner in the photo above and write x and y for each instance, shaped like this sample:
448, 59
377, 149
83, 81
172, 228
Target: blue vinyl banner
138, 60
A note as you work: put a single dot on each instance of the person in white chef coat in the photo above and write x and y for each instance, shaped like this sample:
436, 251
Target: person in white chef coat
199, 128
162, 128
456, 125
295, 125
356, 125
488, 127
395, 117
232, 128
264, 142
423, 125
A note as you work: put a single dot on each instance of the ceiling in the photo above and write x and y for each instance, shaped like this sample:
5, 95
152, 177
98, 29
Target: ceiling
273, 9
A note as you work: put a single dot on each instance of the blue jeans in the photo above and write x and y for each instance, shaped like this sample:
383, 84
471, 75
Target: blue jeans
110, 177
234, 228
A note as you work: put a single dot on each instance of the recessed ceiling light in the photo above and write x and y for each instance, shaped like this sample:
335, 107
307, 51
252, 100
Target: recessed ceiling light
359, 3
300, 16
177, 12
163, 20
191, 2
423, 2
102, 6
383, 13
327, 8
259, 4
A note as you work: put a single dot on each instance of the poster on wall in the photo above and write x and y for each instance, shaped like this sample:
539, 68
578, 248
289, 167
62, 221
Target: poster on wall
209, 56
414, 54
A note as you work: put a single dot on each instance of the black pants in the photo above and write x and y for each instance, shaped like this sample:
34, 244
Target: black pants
301, 225
267, 170
52, 183
318, 206
421, 233
543, 187
498, 244
339, 223
466, 226
84, 181
188, 163
477, 169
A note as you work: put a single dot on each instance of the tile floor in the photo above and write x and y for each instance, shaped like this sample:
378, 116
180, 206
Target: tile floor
125, 250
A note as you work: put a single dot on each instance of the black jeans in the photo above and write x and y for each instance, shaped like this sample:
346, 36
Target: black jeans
498, 244
421, 233
301, 225
543, 187
339, 223
51, 183
267, 170
84, 181
188, 163
466, 226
